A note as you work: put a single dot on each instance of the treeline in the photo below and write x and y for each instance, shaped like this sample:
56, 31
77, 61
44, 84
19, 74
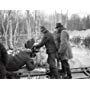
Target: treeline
77, 23
78, 41
18, 26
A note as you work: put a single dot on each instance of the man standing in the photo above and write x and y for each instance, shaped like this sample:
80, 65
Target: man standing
51, 50
58, 40
65, 53
59, 27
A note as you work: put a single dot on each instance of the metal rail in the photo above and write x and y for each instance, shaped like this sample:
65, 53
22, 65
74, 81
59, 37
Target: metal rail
83, 70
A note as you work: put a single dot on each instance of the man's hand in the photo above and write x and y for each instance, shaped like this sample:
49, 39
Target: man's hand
34, 48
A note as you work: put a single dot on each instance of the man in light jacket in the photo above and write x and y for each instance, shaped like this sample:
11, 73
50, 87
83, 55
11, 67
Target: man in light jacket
65, 53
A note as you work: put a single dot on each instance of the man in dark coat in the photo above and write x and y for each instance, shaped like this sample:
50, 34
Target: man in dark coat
20, 59
51, 50
4, 74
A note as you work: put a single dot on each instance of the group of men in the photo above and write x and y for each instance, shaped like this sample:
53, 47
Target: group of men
52, 44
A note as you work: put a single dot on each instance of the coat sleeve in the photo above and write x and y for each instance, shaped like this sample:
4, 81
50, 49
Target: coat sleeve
63, 45
43, 41
30, 65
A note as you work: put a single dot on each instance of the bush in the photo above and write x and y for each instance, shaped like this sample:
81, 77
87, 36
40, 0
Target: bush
76, 40
86, 42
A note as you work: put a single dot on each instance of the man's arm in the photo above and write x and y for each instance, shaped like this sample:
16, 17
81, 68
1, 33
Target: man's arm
30, 65
42, 43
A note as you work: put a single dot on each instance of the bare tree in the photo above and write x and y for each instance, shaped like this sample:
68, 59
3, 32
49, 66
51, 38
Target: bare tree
16, 27
5, 24
10, 32
29, 33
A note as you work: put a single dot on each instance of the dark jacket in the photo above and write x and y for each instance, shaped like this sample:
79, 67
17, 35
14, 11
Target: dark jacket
48, 41
3, 60
16, 62
57, 39
3, 54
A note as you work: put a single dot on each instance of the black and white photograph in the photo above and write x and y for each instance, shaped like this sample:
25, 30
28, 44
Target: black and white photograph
45, 43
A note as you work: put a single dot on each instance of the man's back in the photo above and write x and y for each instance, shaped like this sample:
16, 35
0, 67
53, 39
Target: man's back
19, 60
50, 44
48, 41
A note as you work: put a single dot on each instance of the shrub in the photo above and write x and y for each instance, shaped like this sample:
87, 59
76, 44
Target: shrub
86, 42
76, 40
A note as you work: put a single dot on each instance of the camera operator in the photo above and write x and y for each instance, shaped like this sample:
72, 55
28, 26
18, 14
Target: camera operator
48, 41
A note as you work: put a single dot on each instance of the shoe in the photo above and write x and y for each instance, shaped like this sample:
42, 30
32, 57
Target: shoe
68, 77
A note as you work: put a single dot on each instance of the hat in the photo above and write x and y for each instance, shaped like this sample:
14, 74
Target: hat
59, 25
43, 29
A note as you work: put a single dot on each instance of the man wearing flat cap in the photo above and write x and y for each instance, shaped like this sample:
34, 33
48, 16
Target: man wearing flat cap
49, 43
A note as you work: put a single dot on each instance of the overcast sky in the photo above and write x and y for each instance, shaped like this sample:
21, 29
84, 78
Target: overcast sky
81, 7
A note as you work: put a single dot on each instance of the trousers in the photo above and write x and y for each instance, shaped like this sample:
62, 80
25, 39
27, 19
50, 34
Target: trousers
66, 67
52, 65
